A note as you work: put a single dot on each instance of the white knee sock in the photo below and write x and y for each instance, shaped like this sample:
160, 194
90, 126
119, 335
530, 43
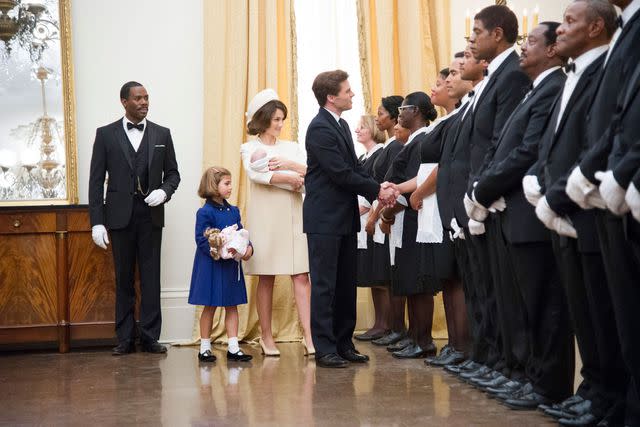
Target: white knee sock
205, 344
233, 345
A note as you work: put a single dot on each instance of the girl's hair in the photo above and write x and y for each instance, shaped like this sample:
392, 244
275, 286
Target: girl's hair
261, 120
208, 188
369, 122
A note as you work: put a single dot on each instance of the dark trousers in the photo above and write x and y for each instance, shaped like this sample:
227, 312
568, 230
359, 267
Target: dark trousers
139, 242
474, 311
489, 343
511, 320
583, 278
549, 348
333, 273
623, 277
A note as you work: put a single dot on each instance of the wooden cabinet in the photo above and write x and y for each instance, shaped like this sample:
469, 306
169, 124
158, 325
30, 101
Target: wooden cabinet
56, 286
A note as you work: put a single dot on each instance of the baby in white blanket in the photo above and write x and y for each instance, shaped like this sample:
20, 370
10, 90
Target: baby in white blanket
260, 163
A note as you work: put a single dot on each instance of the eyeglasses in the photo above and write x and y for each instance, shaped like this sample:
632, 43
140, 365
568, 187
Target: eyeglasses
407, 107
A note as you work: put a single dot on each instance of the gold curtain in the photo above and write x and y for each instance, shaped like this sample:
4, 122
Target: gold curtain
403, 44
249, 46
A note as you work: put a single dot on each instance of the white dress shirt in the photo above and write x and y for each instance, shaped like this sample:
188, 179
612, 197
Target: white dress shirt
582, 62
135, 136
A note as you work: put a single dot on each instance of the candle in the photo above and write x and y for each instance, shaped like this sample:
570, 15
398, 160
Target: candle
536, 11
467, 25
525, 22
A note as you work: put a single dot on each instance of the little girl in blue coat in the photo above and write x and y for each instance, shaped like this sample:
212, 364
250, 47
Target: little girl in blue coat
217, 283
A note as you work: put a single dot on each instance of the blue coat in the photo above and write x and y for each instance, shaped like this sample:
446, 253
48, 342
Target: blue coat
216, 283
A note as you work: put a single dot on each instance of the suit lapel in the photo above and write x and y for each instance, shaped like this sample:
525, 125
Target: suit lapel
343, 134
123, 141
495, 75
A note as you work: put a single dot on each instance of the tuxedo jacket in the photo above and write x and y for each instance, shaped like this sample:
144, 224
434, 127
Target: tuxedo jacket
503, 92
334, 179
623, 59
560, 152
515, 152
112, 155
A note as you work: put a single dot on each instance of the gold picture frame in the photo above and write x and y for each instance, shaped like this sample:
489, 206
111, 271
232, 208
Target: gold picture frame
67, 93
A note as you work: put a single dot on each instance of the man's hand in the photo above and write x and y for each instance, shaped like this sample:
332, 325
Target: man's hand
498, 206
552, 221
100, 236
612, 193
156, 198
415, 201
531, 189
579, 187
633, 200
388, 194
474, 210
476, 228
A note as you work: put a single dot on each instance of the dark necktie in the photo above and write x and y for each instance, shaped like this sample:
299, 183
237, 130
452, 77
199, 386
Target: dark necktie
620, 22
139, 126
570, 68
485, 72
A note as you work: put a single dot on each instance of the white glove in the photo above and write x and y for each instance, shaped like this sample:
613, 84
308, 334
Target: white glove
156, 197
458, 232
476, 228
612, 193
544, 213
531, 189
564, 228
633, 200
579, 187
498, 206
474, 209
100, 236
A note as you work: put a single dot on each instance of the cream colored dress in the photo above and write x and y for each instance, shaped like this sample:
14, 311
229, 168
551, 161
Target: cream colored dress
274, 216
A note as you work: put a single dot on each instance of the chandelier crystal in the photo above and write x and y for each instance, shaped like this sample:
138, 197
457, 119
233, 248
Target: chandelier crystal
27, 25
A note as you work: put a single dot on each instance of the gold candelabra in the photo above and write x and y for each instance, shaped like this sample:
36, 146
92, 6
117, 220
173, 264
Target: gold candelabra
524, 21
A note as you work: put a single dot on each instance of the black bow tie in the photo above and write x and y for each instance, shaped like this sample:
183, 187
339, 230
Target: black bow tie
620, 22
570, 68
485, 72
139, 126
471, 93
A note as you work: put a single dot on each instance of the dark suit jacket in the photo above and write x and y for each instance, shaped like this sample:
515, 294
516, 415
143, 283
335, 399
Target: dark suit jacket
560, 152
334, 179
515, 152
505, 89
621, 64
111, 155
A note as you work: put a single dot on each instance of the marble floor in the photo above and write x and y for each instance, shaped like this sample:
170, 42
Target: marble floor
92, 388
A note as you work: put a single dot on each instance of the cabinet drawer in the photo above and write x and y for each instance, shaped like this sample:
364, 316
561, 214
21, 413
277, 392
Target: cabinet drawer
31, 222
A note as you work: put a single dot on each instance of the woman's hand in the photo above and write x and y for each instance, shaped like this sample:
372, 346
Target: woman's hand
385, 227
296, 182
248, 253
370, 226
416, 201
280, 164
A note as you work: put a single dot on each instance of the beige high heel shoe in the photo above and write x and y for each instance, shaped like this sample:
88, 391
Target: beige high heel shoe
308, 351
267, 352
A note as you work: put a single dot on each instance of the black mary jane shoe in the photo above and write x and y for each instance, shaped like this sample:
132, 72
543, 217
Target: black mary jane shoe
207, 356
239, 356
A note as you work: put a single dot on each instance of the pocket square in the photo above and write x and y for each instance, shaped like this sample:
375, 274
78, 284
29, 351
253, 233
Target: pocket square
159, 146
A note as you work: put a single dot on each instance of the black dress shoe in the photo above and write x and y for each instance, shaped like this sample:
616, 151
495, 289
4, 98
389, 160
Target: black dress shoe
572, 411
331, 360
444, 351
452, 358
404, 342
413, 351
390, 338
495, 382
489, 376
587, 419
353, 355
478, 372
528, 401
370, 336
238, 356
207, 356
569, 401
154, 347
123, 348
508, 387
467, 365
517, 393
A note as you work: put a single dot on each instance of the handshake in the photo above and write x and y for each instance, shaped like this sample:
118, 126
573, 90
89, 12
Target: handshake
388, 194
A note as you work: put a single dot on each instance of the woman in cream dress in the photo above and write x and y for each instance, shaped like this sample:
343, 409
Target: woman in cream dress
274, 214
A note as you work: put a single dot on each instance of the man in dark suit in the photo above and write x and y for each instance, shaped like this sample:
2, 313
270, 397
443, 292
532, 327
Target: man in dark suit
541, 340
140, 161
494, 33
584, 37
331, 219
621, 267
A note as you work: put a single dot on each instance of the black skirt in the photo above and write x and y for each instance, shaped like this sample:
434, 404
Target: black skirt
374, 265
437, 264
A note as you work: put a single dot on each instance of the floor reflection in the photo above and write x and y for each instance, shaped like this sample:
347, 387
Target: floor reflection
94, 387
